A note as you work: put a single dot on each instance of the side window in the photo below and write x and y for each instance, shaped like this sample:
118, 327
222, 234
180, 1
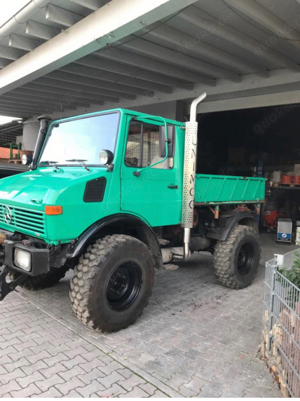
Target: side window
142, 149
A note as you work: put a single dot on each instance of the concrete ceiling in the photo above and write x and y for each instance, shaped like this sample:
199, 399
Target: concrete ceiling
243, 53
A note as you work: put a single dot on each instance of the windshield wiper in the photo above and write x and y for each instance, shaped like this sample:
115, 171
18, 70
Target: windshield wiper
51, 162
81, 161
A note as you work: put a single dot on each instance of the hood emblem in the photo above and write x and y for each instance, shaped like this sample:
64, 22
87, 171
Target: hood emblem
8, 214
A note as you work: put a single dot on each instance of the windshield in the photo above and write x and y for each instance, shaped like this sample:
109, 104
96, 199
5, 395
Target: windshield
81, 140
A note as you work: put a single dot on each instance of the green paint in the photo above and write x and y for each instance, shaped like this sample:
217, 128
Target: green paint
146, 196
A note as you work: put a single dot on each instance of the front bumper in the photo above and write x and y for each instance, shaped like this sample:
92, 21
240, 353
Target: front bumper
40, 258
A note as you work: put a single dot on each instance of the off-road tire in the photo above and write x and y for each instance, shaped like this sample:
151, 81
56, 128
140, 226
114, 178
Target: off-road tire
44, 280
89, 288
227, 254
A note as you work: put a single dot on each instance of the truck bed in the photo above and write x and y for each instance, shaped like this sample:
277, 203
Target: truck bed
218, 189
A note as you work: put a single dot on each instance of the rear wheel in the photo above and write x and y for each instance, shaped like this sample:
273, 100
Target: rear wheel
236, 260
112, 283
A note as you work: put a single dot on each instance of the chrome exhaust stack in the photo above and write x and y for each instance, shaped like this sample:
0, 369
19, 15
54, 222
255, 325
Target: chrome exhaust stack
189, 173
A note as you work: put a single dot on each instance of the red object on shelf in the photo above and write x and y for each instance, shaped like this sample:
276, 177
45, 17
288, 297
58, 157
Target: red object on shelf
286, 179
297, 179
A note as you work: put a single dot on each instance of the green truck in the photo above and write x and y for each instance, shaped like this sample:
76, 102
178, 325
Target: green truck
114, 195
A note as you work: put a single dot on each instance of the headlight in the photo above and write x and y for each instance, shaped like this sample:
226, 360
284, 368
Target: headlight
23, 259
106, 157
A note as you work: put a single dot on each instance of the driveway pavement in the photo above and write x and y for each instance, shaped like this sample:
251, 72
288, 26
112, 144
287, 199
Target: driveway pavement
195, 339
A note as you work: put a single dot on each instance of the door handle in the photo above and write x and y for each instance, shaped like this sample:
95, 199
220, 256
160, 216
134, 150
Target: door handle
173, 186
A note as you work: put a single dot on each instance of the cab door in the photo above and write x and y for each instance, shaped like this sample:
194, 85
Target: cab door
149, 190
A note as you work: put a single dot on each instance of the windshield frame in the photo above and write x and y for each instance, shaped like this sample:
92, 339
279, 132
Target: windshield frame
85, 116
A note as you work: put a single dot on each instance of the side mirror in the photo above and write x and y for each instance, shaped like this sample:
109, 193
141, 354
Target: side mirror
106, 157
26, 159
171, 140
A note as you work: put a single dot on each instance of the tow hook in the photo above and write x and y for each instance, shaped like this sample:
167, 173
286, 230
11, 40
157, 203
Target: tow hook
7, 287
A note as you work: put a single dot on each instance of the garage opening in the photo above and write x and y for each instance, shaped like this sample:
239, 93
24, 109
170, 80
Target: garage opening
262, 142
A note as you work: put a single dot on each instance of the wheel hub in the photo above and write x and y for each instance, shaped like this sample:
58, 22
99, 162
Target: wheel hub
245, 258
124, 286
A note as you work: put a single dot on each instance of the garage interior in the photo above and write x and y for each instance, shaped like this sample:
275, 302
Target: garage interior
260, 142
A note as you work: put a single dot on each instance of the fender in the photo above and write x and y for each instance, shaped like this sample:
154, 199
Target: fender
229, 221
123, 223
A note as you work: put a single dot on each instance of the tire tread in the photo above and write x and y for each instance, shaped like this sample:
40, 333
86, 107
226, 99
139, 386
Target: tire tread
224, 256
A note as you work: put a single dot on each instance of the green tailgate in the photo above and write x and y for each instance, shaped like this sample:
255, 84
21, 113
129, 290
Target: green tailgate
215, 189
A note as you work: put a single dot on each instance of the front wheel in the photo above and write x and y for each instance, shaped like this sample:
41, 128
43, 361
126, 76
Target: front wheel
112, 283
236, 260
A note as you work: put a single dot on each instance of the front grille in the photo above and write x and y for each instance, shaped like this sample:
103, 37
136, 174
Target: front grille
25, 219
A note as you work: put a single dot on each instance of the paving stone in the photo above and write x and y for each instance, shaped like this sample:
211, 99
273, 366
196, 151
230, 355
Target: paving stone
10, 367
51, 393
7, 377
23, 346
52, 370
59, 358
207, 392
91, 388
57, 350
39, 365
90, 376
95, 363
108, 381
159, 394
41, 356
27, 380
9, 387
114, 391
186, 392
136, 393
148, 388
26, 392
67, 374
238, 388
73, 394
196, 384
111, 367
45, 384
132, 382
5, 360
71, 384
229, 394
125, 373
70, 363
13, 342
95, 353
248, 394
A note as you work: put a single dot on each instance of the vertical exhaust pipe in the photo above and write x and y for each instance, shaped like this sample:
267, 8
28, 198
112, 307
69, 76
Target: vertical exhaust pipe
189, 173
44, 124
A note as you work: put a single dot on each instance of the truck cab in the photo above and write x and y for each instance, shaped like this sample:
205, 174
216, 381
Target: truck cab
114, 195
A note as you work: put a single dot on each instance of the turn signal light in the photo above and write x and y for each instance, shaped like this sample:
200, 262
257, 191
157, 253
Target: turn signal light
52, 210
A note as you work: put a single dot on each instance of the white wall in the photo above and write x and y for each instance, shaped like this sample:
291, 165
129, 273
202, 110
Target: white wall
19, 139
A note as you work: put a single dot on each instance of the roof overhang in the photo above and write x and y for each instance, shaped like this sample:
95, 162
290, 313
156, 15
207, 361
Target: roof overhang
69, 56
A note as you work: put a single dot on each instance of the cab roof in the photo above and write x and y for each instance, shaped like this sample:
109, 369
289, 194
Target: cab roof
122, 112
